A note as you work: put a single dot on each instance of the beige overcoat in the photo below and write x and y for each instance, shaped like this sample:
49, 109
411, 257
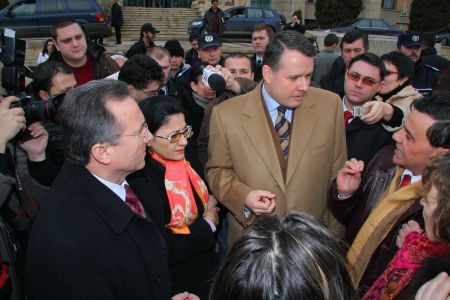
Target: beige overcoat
242, 156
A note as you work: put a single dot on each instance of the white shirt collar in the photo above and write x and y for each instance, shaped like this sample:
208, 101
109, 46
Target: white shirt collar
272, 106
118, 189
414, 178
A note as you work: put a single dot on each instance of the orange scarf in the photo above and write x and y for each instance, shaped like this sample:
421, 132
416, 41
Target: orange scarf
178, 179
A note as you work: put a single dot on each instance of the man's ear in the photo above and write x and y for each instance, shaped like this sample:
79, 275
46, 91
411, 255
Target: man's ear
193, 86
43, 95
101, 153
267, 73
56, 44
441, 151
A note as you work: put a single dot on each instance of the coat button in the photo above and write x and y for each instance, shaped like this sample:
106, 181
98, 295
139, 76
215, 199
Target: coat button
157, 279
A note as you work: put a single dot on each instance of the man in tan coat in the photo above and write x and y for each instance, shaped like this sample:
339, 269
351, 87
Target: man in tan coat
278, 147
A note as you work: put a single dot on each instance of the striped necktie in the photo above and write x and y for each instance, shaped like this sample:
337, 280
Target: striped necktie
282, 128
134, 203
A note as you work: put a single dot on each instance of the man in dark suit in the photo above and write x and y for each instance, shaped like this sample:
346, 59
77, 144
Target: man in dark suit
365, 135
117, 20
93, 239
262, 35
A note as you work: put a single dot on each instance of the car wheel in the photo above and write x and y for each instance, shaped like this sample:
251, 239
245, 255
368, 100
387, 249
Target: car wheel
445, 42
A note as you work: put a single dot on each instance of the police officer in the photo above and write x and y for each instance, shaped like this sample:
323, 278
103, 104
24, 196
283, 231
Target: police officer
425, 76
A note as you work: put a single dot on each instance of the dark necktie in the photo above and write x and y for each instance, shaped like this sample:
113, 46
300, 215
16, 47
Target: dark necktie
347, 116
258, 63
133, 202
406, 180
282, 127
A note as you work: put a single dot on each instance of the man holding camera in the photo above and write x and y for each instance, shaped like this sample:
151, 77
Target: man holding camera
51, 79
20, 193
363, 114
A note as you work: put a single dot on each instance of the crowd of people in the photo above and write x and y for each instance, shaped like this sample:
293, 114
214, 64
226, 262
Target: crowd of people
307, 176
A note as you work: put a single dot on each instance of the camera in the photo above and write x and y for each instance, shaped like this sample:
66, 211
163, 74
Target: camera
12, 55
35, 111
41, 110
214, 79
359, 111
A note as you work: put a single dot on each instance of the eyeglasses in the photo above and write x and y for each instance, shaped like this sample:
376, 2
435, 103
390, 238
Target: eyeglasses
353, 76
176, 136
390, 72
144, 132
151, 93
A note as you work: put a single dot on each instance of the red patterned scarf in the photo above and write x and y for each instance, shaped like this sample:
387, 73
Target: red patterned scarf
402, 268
178, 179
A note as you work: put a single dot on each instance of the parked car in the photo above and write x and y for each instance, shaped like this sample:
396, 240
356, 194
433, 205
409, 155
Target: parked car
443, 36
34, 18
240, 21
371, 26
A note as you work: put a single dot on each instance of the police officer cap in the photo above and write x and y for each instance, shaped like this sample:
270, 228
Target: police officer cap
409, 39
209, 40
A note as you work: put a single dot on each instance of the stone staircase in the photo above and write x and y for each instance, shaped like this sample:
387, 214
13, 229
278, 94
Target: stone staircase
171, 22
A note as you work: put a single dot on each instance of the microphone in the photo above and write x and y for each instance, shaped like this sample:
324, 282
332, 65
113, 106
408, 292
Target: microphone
214, 80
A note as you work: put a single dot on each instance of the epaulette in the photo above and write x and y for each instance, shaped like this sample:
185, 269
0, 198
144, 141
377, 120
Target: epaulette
431, 67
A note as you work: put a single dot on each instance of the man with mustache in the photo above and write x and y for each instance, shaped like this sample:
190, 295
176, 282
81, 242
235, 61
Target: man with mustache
277, 148
374, 200
425, 76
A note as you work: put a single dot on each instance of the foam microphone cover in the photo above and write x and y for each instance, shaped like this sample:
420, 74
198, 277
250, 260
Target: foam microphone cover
217, 83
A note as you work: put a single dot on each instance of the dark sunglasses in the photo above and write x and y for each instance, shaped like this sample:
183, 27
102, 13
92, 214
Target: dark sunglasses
353, 76
176, 136
390, 72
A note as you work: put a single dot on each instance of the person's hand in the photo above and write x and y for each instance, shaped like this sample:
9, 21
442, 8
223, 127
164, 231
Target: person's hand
185, 296
212, 214
11, 121
260, 202
349, 177
35, 147
406, 228
377, 110
230, 83
437, 288
212, 202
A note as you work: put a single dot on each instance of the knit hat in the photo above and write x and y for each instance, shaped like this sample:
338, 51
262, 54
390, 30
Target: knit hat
174, 48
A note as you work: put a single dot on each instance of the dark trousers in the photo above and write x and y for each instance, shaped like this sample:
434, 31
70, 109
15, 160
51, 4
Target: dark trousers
118, 35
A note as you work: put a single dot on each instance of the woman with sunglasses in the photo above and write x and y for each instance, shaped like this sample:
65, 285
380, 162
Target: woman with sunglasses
186, 213
396, 88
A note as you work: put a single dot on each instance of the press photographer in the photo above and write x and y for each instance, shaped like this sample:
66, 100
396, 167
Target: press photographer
24, 171
51, 80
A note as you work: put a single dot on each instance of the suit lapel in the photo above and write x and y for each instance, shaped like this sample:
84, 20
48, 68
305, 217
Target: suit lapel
305, 119
257, 131
354, 125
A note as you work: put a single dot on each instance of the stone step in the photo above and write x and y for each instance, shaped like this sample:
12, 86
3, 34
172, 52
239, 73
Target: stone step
171, 22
